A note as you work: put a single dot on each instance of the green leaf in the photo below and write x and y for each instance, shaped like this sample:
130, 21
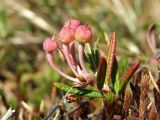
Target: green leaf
96, 53
78, 91
123, 64
92, 55
117, 84
110, 97
110, 58
89, 87
101, 73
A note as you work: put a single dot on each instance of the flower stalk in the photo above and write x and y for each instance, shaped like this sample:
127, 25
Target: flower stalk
73, 54
81, 57
51, 62
67, 55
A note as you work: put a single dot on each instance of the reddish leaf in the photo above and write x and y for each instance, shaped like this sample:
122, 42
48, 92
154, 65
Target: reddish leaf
101, 73
110, 58
129, 73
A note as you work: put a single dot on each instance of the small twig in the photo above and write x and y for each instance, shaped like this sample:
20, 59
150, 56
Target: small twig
8, 114
53, 108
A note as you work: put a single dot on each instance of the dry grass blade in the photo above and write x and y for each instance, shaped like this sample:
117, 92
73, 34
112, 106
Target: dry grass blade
136, 93
8, 115
28, 108
157, 96
132, 118
127, 101
110, 58
121, 11
157, 100
30, 15
152, 113
144, 90
154, 83
83, 111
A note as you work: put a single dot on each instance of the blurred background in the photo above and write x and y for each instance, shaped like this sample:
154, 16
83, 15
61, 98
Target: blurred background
26, 80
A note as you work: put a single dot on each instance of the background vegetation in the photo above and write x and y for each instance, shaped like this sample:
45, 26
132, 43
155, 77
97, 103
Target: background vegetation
26, 80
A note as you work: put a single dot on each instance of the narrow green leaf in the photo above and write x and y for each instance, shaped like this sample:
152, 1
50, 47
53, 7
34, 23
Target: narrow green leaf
110, 58
117, 84
92, 55
78, 91
89, 87
123, 64
101, 73
96, 53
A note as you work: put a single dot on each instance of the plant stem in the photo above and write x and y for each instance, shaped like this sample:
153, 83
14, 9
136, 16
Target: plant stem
81, 57
67, 55
73, 56
54, 107
51, 62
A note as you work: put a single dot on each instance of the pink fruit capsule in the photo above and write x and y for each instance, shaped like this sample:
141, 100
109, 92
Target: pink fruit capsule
83, 34
66, 35
72, 23
49, 45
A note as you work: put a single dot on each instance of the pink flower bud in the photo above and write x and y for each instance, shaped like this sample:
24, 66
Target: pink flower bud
72, 23
83, 34
66, 35
49, 45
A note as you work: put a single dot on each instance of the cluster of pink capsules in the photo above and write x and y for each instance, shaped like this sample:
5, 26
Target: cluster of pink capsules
73, 32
